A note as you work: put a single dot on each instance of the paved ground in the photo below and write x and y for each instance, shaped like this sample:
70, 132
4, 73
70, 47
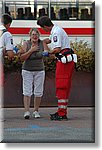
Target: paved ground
78, 129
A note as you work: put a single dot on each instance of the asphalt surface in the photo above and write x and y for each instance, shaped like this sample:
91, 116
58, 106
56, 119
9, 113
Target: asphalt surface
78, 129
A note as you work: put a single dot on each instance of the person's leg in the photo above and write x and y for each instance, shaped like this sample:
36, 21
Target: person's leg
38, 91
27, 91
37, 102
26, 101
63, 86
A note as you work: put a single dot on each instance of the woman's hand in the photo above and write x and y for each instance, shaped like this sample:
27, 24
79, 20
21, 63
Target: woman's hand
34, 48
27, 54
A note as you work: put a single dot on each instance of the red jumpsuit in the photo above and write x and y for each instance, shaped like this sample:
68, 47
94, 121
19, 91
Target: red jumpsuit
63, 85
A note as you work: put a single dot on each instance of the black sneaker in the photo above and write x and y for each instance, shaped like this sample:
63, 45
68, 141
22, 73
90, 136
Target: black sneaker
57, 117
54, 114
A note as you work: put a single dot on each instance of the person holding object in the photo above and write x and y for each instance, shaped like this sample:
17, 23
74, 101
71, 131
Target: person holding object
60, 45
33, 73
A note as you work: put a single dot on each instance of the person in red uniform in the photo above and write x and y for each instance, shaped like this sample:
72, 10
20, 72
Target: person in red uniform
60, 45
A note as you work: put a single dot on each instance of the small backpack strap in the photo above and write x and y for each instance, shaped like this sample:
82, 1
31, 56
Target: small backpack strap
2, 32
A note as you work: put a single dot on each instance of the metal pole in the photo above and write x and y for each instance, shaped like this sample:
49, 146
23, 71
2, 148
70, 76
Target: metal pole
3, 6
77, 3
77, 7
49, 8
0, 9
35, 9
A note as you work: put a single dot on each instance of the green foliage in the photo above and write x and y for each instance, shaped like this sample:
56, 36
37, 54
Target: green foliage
50, 63
86, 57
14, 65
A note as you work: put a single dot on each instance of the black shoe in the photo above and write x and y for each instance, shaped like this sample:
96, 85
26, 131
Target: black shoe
57, 117
54, 114
27, 117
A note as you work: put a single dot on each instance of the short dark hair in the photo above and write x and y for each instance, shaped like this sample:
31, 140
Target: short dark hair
44, 21
6, 18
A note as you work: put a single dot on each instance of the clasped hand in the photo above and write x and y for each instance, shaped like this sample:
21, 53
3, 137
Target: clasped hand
34, 48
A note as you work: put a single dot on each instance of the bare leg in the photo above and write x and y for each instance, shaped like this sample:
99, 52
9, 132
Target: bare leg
27, 102
37, 101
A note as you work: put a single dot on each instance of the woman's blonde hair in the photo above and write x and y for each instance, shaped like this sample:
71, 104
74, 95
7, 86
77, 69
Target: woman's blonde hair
34, 29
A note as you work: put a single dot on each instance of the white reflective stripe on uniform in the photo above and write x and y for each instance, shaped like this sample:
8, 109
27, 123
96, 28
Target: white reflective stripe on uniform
62, 100
61, 106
